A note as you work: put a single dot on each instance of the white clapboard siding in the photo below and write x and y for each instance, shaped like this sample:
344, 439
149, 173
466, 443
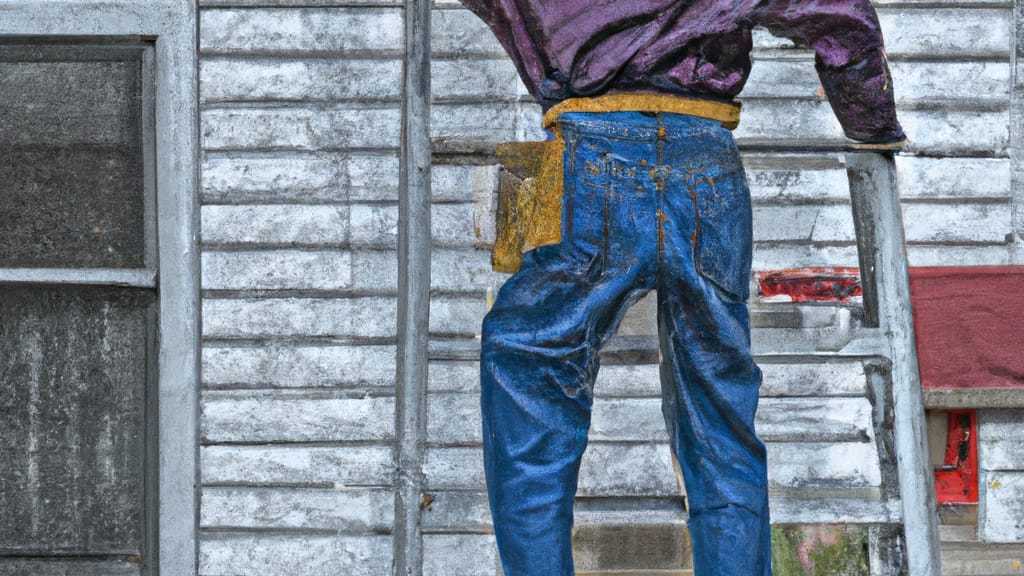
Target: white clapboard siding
837, 378
298, 366
312, 555
277, 224
455, 183
300, 125
337, 127
1001, 517
344, 510
366, 317
475, 79
462, 511
280, 177
276, 178
264, 31
1001, 439
794, 76
1001, 459
277, 270
285, 416
233, 79
628, 469
312, 466
463, 554
452, 226
302, 3
462, 314
467, 511
485, 122
458, 34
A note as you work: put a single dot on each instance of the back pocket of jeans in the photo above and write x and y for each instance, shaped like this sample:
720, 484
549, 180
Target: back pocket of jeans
724, 229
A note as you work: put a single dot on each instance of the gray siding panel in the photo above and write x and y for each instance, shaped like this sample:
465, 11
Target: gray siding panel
301, 130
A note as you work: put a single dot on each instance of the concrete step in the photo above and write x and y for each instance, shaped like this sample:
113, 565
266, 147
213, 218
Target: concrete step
982, 559
637, 573
644, 538
646, 547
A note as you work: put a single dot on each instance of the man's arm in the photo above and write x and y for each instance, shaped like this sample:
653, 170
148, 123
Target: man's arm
849, 57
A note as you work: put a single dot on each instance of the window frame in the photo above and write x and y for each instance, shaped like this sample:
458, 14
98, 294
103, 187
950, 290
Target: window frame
171, 169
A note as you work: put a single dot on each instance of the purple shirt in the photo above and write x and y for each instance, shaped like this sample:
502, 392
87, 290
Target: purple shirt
700, 48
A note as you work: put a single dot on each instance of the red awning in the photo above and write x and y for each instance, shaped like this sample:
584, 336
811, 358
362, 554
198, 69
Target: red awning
969, 323
969, 320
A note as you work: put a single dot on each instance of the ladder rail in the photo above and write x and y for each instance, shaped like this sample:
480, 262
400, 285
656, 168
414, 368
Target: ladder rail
881, 248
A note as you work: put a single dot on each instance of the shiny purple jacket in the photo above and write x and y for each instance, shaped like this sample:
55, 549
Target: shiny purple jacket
700, 48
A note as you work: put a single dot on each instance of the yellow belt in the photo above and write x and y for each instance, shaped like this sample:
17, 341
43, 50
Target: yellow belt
530, 191
727, 114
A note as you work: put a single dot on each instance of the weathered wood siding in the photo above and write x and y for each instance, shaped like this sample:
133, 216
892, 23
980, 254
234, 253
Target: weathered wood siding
300, 129
1001, 459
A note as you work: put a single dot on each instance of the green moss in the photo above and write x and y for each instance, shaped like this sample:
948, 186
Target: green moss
847, 556
785, 561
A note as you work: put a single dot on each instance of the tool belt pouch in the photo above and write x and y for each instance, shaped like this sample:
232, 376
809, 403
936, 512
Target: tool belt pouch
529, 201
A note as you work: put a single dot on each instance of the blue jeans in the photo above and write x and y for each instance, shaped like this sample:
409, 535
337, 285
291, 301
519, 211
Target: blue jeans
652, 201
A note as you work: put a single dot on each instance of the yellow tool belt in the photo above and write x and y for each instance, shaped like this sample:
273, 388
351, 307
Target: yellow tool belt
530, 186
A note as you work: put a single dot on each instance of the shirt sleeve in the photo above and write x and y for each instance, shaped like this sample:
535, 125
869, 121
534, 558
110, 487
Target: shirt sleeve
849, 56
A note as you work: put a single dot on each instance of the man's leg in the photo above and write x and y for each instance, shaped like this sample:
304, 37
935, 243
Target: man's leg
538, 364
710, 396
709, 378
539, 354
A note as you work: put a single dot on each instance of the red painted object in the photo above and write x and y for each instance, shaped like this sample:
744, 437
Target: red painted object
824, 284
967, 319
956, 481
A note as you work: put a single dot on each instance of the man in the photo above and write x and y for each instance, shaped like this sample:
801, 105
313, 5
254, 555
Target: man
639, 102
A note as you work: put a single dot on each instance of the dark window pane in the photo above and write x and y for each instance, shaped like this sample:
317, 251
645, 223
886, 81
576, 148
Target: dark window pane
73, 370
23, 567
71, 158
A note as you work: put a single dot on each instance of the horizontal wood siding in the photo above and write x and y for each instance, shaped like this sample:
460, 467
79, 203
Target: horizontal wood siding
300, 131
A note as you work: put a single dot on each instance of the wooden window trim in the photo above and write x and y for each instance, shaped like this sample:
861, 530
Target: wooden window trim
170, 25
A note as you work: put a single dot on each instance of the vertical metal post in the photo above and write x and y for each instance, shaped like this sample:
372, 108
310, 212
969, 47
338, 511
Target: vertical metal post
1017, 133
880, 241
413, 289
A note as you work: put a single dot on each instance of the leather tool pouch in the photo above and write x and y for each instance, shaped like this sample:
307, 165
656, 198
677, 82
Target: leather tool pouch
529, 200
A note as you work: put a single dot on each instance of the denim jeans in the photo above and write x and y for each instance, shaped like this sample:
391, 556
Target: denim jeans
651, 201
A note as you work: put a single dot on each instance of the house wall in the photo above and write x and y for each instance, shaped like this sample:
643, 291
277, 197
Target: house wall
300, 131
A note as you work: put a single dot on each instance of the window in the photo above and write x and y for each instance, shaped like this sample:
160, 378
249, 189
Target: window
98, 287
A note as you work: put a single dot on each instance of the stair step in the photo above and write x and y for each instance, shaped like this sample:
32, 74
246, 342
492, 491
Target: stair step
982, 559
638, 573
